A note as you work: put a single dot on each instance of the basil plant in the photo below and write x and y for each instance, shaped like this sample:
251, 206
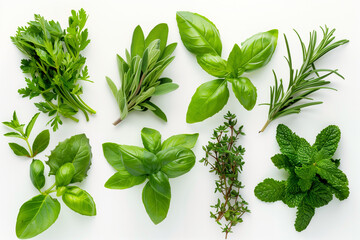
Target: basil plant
69, 162
201, 37
155, 163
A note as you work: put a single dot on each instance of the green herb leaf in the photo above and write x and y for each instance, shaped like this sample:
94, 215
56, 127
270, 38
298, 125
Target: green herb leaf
79, 201
123, 179
213, 64
208, 99
138, 42
160, 32
199, 34
75, 150
151, 139
160, 183
37, 174
180, 140
245, 92
258, 50
281, 161
65, 174
306, 172
19, 150
36, 215
41, 142
319, 195
30, 125
288, 141
156, 204
270, 190
112, 153
165, 88
176, 161
234, 61
304, 215
327, 140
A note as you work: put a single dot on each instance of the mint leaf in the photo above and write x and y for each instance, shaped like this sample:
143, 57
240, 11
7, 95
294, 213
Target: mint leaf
306, 172
305, 153
281, 161
319, 195
303, 216
270, 190
288, 142
328, 140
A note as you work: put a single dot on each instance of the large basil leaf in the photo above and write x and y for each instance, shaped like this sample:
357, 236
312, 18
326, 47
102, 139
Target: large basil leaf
176, 161
41, 142
138, 42
245, 92
199, 34
37, 174
208, 99
138, 161
156, 204
123, 179
75, 150
258, 50
183, 140
36, 215
79, 201
160, 183
112, 153
213, 64
151, 139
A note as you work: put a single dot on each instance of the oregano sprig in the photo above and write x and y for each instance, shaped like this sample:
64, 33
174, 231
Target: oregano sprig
227, 164
304, 81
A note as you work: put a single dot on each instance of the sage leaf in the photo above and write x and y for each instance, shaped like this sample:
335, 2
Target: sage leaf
138, 42
199, 34
165, 88
79, 201
123, 179
75, 150
158, 112
159, 32
37, 174
245, 92
41, 142
209, 98
156, 204
258, 50
36, 215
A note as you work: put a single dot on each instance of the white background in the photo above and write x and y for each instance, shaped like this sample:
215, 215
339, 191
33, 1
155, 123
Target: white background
120, 214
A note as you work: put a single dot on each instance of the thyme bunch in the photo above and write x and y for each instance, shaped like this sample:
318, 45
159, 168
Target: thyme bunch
227, 164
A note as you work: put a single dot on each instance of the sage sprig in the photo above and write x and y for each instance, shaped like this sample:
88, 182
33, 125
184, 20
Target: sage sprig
304, 81
201, 37
140, 73
156, 162
225, 159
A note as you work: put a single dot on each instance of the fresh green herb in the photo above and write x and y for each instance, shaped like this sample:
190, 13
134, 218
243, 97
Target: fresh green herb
156, 162
140, 73
55, 65
304, 81
313, 177
69, 162
228, 164
201, 37
40, 143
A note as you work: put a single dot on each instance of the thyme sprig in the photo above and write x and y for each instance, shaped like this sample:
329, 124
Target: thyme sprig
228, 164
304, 81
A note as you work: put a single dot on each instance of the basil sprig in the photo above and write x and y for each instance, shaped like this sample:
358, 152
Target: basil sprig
201, 37
69, 162
156, 162
140, 73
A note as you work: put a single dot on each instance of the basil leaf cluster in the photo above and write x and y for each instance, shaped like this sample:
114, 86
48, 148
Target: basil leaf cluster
313, 174
140, 72
69, 162
156, 162
201, 37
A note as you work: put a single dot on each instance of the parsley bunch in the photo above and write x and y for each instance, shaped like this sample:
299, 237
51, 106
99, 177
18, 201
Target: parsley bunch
228, 165
55, 65
313, 177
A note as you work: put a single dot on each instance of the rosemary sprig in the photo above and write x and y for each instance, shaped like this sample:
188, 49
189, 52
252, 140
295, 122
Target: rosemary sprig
304, 81
227, 165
